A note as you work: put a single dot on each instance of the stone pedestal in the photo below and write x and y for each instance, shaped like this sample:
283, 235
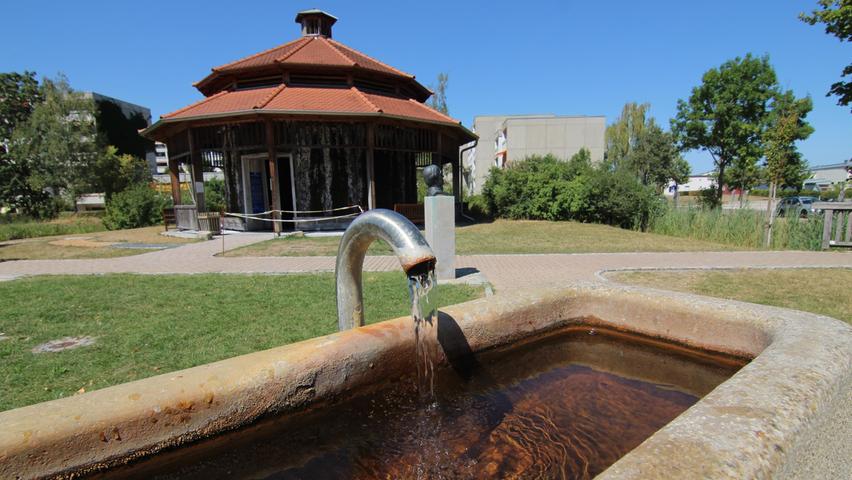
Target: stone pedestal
440, 219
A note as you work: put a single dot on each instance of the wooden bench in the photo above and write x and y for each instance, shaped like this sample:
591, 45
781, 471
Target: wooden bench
411, 211
169, 217
837, 224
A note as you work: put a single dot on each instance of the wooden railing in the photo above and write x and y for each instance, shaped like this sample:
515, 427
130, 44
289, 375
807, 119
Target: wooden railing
837, 226
210, 221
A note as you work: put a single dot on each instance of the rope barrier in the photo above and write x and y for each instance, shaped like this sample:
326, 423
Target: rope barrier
259, 216
294, 220
351, 207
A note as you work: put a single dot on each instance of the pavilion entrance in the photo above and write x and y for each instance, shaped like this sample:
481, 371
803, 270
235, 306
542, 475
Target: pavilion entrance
258, 189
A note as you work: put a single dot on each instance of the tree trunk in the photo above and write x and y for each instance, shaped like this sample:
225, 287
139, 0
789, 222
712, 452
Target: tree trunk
721, 181
770, 213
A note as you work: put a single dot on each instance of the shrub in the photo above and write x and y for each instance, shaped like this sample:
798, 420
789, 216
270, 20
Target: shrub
707, 199
477, 207
545, 188
138, 206
834, 194
214, 195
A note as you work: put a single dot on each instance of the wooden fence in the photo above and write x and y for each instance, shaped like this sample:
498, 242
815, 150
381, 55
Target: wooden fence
837, 226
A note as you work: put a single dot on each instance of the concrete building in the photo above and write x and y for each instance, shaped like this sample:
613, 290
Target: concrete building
129, 110
119, 122
504, 139
823, 177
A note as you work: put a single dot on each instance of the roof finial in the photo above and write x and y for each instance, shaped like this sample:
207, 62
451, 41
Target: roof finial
315, 23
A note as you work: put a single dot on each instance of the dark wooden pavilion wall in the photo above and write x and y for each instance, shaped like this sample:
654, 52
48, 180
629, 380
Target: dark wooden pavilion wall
331, 160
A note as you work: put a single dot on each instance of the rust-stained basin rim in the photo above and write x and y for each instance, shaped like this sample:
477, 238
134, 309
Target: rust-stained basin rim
785, 414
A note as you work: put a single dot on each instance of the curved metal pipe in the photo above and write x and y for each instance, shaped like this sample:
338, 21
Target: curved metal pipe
414, 254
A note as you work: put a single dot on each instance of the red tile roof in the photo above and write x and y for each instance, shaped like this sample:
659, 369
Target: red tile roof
311, 51
283, 99
406, 107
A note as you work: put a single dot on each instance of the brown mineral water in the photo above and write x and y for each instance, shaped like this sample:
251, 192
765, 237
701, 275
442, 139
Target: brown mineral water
564, 406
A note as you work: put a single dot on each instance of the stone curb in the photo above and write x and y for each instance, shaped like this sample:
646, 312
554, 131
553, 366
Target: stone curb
787, 414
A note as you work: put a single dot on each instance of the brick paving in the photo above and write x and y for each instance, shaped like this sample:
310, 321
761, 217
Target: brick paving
505, 272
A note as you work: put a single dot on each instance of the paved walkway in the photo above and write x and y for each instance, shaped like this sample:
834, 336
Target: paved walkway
505, 272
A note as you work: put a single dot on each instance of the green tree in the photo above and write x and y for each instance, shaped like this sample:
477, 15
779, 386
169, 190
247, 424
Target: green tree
19, 94
655, 159
623, 135
744, 174
837, 17
115, 173
780, 152
59, 141
727, 114
636, 144
786, 105
439, 97
785, 166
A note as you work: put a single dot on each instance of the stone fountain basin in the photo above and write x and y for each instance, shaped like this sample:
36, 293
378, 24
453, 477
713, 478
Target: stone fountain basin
786, 414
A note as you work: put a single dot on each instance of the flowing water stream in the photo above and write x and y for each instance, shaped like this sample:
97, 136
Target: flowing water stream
424, 313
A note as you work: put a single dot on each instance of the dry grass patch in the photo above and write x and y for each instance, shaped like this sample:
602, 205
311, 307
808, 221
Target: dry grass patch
89, 245
819, 290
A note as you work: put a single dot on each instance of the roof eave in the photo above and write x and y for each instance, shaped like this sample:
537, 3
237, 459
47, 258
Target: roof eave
149, 132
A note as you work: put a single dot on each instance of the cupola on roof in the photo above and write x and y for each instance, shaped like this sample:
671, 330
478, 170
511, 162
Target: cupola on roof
315, 23
314, 52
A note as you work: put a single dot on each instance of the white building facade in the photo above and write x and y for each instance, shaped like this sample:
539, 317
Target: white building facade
701, 181
823, 177
161, 152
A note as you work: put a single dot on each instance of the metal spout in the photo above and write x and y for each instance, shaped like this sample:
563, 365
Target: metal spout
414, 254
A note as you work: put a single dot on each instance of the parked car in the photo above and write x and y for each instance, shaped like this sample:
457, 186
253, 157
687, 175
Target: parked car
796, 206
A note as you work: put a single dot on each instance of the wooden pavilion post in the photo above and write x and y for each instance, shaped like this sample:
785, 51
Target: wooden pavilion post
371, 178
272, 157
197, 173
174, 176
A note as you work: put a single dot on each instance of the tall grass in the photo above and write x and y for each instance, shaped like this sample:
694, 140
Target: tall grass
740, 228
14, 229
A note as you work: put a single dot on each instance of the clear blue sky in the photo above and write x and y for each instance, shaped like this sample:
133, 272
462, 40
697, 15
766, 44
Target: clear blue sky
513, 57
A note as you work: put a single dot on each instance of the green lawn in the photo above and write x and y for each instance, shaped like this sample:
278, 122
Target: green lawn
146, 325
508, 236
823, 291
